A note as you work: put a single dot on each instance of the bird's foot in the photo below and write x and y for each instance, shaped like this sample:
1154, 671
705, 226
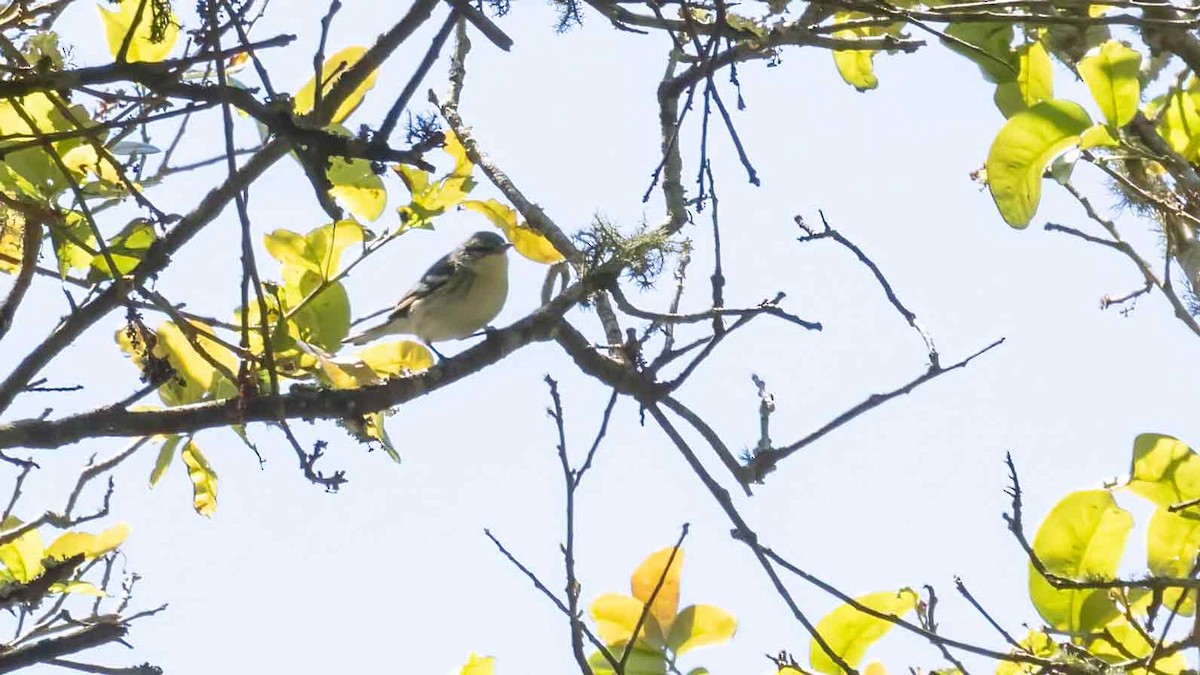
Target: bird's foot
441, 356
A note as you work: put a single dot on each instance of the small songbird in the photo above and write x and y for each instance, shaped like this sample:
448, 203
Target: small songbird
456, 297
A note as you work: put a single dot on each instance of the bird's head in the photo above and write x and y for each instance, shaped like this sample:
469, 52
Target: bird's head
484, 244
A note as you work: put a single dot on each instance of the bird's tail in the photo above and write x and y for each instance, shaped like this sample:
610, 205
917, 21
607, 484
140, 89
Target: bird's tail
372, 334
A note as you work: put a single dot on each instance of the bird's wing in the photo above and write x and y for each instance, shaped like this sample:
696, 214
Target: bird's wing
437, 274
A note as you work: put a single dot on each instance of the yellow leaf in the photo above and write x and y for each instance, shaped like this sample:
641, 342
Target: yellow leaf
117, 24
617, 615
12, 235
204, 480
334, 67
855, 65
79, 587
646, 578
700, 625
388, 359
875, 668
478, 665
70, 544
83, 161
524, 239
22, 557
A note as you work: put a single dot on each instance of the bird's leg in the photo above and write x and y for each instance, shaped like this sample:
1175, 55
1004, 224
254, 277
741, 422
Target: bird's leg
488, 332
441, 356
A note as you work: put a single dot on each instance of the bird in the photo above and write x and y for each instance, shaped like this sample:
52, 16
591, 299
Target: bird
456, 297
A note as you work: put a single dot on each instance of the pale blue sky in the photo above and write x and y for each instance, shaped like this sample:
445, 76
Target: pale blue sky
394, 575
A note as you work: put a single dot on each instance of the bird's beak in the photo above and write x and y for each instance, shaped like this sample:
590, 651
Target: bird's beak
507, 246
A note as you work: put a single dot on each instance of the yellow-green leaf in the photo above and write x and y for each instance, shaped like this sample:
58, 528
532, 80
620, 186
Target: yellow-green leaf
1098, 136
1035, 77
698, 626
389, 359
644, 660
1083, 537
22, 557
1121, 641
1179, 121
204, 480
165, 454
325, 244
118, 23
478, 665
1023, 149
70, 544
524, 239
127, 250
357, 188
335, 66
1172, 543
1111, 73
1164, 470
78, 588
647, 577
992, 48
1035, 643
849, 632
12, 236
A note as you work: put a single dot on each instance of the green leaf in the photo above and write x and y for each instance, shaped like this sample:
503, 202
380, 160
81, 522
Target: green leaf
325, 320
1179, 121
165, 454
1023, 149
31, 173
849, 632
332, 70
1035, 78
1035, 643
1121, 641
117, 23
1172, 543
1112, 76
357, 188
1083, 537
698, 626
1165, 470
127, 249
325, 244
643, 661
204, 480
22, 557
91, 546
74, 243
992, 52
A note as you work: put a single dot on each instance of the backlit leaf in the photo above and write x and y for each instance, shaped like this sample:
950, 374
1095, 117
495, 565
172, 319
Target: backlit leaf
647, 577
617, 615
850, 632
1164, 470
119, 21
357, 188
334, 67
12, 235
1083, 537
1035, 78
993, 51
1172, 543
22, 557
389, 359
71, 544
643, 661
856, 66
127, 249
524, 239
165, 454
1112, 76
1023, 149
698, 626
78, 588
204, 480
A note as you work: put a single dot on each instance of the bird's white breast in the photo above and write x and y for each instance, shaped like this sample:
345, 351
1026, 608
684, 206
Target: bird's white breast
483, 302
